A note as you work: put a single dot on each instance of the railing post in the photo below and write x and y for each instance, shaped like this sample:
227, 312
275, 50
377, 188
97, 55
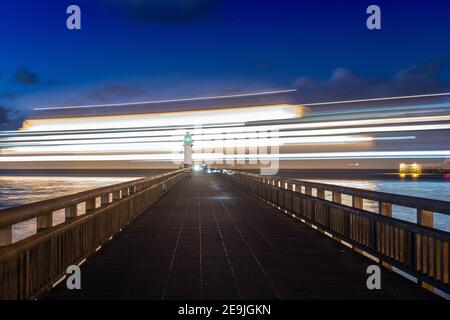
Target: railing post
425, 218
116, 195
308, 190
6, 236
71, 212
385, 209
90, 205
104, 199
337, 197
320, 193
44, 222
357, 202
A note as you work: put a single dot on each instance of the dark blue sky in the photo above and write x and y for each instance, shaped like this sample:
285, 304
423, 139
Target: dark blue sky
132, 50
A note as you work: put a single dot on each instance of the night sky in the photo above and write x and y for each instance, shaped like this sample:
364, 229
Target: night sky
134, 50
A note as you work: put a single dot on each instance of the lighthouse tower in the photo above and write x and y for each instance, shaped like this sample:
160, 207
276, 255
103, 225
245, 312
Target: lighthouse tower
188, 150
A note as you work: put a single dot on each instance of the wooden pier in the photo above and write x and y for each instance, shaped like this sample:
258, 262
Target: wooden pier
211, 237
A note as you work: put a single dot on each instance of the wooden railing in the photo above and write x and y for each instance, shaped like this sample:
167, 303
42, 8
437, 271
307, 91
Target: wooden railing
32, 265
418, 248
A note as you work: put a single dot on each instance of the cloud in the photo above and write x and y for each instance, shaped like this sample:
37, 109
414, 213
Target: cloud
10, 118
26, 77
167, 11
345, 84
3, 115
112, 91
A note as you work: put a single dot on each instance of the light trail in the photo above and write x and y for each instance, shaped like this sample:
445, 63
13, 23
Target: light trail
220, 156
377, 99
235, 130
158, 137
380, 109
178, 146
213, 116
205, 138
242, 95
22, 133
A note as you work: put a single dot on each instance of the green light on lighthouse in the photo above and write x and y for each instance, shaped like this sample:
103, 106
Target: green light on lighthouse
187, 138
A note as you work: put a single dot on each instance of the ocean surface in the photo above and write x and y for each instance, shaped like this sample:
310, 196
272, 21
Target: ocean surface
19, 190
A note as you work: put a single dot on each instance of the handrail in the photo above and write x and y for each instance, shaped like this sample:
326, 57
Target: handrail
31, 266
396, 199
14, 215
415, 248
423, 204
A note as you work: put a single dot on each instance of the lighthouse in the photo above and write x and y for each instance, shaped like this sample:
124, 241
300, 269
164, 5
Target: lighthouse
188, 150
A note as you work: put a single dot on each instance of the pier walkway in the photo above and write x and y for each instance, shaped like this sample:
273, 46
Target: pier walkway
208, 239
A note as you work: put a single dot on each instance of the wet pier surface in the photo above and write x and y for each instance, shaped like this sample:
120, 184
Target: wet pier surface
207, 239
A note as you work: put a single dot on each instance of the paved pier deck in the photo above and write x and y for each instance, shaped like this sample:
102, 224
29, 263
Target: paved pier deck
207, 239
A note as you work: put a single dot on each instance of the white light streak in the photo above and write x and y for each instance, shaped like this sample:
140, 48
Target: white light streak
250, 131
220, 156
378, 99
216, 116
261, 93
177, 146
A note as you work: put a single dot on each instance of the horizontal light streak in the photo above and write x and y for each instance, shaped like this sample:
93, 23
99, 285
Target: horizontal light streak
379, 99
211, 137
52, 145
229, 130
378, 109
178, 146
374, 129
216, 116
242, 95
21, 132
221, 156
347, 155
